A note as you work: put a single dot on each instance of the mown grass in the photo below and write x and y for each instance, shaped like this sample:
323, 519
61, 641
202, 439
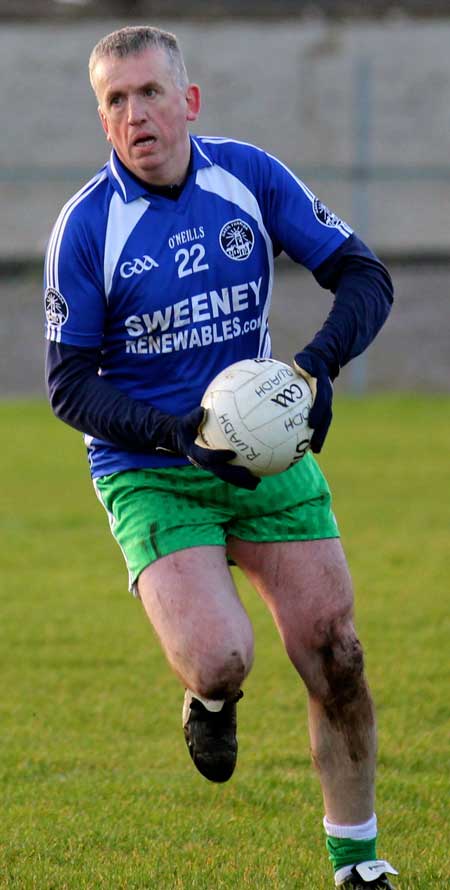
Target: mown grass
97, 790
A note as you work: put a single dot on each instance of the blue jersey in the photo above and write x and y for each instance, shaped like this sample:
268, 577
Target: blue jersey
172, 292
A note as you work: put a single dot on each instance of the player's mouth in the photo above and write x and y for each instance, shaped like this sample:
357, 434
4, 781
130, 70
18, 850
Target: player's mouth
144, 141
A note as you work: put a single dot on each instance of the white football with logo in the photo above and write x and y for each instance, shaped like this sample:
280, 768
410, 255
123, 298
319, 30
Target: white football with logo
260, 409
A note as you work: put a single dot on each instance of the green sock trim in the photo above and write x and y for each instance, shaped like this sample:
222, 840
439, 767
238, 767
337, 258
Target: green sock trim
345, 851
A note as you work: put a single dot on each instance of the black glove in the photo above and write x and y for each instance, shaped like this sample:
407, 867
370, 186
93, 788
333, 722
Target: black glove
183, 434
315, 372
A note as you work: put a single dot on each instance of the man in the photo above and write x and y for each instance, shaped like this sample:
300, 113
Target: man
146, 301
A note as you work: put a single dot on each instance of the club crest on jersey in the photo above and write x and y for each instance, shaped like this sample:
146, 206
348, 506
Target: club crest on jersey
237, 239
56, 308
324, 215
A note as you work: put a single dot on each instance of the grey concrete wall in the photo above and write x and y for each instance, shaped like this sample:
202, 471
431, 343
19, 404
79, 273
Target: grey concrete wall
327, 98
410, 353
74, 10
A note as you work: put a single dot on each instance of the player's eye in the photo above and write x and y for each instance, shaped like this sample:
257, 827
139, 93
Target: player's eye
151, 92
114, 101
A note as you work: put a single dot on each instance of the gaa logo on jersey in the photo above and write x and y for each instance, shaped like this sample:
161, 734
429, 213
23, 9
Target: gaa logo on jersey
56, 308
324, 215
237, 239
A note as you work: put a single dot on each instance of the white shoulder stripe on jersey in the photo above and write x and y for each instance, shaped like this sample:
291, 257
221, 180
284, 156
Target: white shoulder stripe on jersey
202, 153
115, 173
227, 186
309, 194
220, 139
122, 219
52, 272
342, 226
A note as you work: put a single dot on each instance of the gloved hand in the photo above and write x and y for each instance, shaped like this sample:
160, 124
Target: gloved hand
315, 372
183, 435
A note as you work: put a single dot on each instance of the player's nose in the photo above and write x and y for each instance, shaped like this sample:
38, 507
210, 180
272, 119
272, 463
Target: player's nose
136, 110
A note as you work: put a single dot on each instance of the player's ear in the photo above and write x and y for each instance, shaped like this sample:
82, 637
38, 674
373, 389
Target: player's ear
193, 102
104, 122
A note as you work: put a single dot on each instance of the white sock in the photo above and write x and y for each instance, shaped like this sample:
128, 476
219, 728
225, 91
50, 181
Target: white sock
363, 832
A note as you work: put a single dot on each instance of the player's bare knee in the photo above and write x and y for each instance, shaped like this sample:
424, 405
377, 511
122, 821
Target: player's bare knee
224, 675
342, 661
331, 661
309, 646
340, 679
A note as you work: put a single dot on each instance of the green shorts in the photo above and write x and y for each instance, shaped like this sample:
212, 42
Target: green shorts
154, 512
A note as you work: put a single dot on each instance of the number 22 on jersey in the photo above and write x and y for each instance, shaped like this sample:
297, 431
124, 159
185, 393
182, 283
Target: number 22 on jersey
190, 261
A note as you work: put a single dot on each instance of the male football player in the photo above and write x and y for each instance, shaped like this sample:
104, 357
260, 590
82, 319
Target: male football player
158, 275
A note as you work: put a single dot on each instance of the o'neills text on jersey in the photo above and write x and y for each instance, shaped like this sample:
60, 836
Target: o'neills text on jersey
186, 236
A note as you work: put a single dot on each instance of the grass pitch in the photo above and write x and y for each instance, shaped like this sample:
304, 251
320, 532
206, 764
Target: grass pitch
97, 789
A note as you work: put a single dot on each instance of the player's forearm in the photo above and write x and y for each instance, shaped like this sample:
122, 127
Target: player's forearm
363, 299
90, 404
87, 402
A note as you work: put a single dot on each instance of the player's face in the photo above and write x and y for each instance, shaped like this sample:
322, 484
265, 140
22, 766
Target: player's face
145, 114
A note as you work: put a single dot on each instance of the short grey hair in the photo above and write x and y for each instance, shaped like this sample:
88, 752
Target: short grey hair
133, 40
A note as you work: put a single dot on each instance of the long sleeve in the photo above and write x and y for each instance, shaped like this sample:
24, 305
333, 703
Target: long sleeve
87, 402
363, 298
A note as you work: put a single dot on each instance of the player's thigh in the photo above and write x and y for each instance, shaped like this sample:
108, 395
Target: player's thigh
192, 602
306, 585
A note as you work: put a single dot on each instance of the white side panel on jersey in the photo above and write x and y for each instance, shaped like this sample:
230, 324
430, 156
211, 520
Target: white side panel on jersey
122, 219
227, 186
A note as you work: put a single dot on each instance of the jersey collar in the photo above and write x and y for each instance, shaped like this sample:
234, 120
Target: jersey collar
129, 188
